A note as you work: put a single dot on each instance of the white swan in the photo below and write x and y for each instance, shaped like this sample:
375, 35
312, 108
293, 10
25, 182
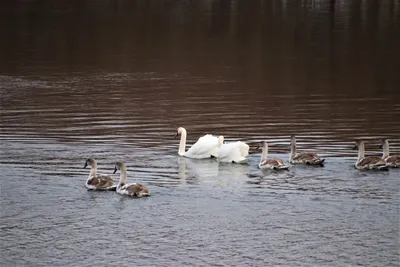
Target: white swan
369, 162
205, 147
269, 163
391, 161
97, 181
235, 152
132, 189
308, 158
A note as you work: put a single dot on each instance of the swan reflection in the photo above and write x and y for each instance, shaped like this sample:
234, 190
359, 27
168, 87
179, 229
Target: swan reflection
192, 169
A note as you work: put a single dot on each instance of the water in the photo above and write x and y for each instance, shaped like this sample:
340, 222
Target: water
113, 81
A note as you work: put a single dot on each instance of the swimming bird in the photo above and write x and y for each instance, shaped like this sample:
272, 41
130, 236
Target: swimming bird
205, 147
269, 163
97, 181
369, 162
391, 161
308, 158
132, 189
234, 152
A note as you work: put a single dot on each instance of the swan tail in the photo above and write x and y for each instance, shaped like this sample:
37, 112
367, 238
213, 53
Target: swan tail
382, 167
112, 188
282, 167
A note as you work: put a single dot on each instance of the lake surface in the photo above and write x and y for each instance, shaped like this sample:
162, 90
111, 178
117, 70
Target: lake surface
113, 80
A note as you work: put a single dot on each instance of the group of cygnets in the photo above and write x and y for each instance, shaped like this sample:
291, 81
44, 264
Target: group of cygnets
209, 146
103, 182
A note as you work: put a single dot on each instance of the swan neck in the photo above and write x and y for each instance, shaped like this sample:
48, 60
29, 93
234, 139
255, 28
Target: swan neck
385, 149
122, 178
292, 147
220, 141
182, 143
264, 153
361, 151
93, 170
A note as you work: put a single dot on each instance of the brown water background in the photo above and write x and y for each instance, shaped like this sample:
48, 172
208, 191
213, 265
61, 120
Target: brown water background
114, 79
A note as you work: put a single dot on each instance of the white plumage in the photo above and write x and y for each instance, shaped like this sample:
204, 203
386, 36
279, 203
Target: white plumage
205, 147
235, 152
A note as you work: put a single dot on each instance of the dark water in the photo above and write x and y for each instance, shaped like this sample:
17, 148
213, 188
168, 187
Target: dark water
114, 79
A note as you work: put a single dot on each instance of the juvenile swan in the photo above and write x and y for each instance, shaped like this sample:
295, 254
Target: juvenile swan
269, 163
205, 147
391, 161
235, 152
132, 189
369, 162
97, 181
308, 158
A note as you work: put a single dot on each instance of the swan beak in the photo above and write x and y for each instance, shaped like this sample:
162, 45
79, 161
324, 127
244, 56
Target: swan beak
258, 147
355, 147
115, 170
381, 146
176, 134
84, 166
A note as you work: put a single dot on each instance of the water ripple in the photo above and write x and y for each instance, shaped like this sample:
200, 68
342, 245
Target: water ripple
232, 213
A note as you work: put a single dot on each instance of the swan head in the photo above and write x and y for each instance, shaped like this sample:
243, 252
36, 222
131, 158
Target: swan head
383, 142
179, 131
357, 144
89, 162
119, 166
261, 145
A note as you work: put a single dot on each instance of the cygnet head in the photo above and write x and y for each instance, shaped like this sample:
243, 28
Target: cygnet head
89, 162
260, 145
357, 144
119, 166
383, 141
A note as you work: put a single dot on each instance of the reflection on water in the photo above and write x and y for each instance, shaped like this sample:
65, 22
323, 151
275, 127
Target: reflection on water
86, 110
107, 80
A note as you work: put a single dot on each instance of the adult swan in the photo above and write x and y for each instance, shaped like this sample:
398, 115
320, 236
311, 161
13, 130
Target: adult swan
235, 152
205, 147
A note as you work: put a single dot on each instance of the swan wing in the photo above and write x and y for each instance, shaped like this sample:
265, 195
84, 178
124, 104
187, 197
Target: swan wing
225, 150
271, 163
135, 190
233, 152
204, 147
244, 148
393, 160
237, 157
308, 158
100, 182
371, 161
229, 147
207, 138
